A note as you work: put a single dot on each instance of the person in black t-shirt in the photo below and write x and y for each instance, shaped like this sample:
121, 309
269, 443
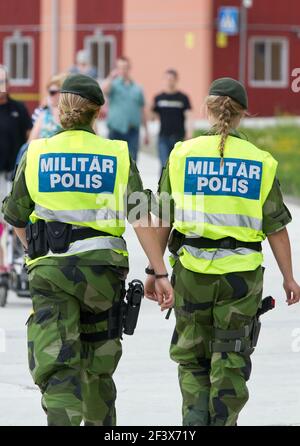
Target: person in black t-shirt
15, 126
171, 107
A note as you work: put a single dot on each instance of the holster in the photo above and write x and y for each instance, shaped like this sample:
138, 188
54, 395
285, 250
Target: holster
121, 318
255, 331
132, 305
243, 340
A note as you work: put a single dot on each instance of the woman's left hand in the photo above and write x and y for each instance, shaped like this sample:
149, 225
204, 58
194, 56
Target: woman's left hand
164, 293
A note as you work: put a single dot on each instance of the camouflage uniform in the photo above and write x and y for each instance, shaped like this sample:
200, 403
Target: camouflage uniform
213, 383
74, 374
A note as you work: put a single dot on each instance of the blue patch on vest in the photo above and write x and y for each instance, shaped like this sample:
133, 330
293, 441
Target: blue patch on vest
237, 177
73, 172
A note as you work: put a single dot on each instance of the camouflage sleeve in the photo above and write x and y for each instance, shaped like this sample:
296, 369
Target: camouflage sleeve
165, 206
138, 198
18, 205
275, 213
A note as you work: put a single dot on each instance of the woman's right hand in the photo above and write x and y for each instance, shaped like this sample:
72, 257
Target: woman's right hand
164, 293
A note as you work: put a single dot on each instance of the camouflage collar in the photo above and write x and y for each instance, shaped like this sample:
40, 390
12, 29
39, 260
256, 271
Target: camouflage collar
84, 128
233, 132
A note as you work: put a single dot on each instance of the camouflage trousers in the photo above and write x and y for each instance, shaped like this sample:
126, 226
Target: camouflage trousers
74, 375
213, 384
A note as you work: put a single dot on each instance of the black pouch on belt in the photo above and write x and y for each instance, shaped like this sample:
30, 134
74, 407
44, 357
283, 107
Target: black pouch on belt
175, 241
59, 236
37, 239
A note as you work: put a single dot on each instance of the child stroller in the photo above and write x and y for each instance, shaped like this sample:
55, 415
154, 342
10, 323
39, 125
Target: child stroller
15, 279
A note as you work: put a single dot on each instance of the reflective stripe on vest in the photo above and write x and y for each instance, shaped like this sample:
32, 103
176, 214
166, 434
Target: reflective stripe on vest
91, 244
215, 254
220, 261
215, 199
86, 215
218, 219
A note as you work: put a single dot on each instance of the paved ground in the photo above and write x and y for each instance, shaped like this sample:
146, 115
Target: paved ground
148, 392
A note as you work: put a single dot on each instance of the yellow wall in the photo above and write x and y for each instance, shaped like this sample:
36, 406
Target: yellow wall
158, 34
162, 34
45, 45
67, 34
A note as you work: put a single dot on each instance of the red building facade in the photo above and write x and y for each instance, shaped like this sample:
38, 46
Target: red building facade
20, 45
39, 38
109, 17
272, 53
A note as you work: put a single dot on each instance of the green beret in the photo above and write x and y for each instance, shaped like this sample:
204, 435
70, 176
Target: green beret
84, 86
226, 86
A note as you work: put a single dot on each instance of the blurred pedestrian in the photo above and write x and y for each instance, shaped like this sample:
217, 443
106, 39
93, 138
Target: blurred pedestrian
83, 65
15, 126
47, 118
171, 107
126, 111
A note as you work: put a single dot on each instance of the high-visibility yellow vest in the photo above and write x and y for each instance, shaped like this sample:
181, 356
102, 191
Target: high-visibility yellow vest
79, 178
216, 201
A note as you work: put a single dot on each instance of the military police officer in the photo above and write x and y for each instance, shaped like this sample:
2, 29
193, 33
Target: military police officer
225, 201
75, 189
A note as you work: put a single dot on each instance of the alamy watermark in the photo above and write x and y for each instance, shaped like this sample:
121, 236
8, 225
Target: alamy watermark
139, 205
296, 81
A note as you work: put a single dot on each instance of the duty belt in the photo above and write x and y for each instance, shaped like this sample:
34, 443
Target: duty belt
223, 243
83, 233
56, 236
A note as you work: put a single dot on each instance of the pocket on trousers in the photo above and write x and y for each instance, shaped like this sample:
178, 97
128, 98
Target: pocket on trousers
45, 343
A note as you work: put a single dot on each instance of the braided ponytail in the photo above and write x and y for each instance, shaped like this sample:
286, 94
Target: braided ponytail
224, 124
225, 110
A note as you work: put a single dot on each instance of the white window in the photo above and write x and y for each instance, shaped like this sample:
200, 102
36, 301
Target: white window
102, 53
269, 62
18, 58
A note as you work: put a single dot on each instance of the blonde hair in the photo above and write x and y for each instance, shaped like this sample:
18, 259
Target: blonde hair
57, 80
225, 110
75, 110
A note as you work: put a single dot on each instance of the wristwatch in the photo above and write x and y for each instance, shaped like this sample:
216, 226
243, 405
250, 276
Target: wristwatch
150, 271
